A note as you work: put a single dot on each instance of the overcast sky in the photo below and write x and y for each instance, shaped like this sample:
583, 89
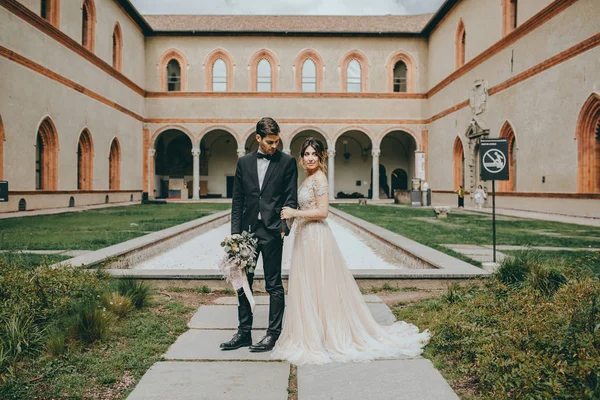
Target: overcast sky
288, 7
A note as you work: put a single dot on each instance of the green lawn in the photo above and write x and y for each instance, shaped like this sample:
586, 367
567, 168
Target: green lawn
96, 229
25, 260
461, 227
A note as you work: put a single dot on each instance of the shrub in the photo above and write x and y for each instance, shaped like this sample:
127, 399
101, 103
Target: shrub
91, 323
117, 304
138, 292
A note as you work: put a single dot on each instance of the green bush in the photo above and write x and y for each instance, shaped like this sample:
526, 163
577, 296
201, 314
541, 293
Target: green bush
138, 292
91, 322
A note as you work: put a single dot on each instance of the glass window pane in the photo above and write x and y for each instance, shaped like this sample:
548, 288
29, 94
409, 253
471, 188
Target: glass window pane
219, 76
309, 76
353, 77
400, 77
173, 76
263, 76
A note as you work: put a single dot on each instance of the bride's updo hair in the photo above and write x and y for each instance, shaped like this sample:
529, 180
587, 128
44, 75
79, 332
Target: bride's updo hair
319, 149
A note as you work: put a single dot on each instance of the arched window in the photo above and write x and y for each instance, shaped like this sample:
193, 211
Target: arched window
353, 77
509, 16
588, 146
263, 76
461, 41
50, 11
458, 164
173, 76
219, 76
114, 166
46, 157
309, 71
309, 76
510, 185
400, 77
88, 25
218, 67
117, 48
85, 161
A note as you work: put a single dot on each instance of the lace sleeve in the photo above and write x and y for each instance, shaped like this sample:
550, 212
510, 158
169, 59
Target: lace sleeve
321, 190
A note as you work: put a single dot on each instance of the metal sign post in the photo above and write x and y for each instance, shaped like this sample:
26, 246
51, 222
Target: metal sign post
494, 166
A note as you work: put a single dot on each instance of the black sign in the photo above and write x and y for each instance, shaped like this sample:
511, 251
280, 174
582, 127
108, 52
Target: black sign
3, 191
493, 159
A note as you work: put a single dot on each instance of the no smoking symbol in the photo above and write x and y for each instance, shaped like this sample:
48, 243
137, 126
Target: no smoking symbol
494, 161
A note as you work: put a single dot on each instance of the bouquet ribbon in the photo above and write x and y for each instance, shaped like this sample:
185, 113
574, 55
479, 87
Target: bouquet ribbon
239, 280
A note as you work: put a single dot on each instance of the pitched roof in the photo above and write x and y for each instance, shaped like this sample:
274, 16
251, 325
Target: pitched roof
236, 24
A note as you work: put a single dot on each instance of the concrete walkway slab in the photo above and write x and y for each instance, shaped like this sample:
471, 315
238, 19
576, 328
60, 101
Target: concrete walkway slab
213, 381
202, 344
262, 300
225, 317
382, 380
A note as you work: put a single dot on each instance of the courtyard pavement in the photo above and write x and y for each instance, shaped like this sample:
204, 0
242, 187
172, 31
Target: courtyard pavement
195, 368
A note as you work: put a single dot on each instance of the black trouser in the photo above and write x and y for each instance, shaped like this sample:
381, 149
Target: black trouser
271, 247
461, 202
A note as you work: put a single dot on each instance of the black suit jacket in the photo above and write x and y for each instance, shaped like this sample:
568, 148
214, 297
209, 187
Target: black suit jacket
279, 190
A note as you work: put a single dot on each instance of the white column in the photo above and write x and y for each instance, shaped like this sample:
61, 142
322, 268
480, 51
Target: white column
375, 153
151, 153
331, 173
287, 151
241, 152
420, 164
196, 183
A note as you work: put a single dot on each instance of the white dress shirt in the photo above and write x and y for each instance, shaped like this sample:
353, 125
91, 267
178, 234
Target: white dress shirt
262, 164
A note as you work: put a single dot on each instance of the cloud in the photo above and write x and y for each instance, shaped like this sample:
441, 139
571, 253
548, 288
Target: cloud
287, 7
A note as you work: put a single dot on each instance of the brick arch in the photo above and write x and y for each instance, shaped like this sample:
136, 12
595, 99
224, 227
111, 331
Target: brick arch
264, 54
411, 73
354, 128
460, 44
157, 133
252, 131
320, 66
307, 128
163, 61
403, 129
2, 139
85, 161
48, 155
208, 68
364, 69
88, 25
117, 49
114, 165
508, 133
51, 12
458, 157
587, 134
216, 128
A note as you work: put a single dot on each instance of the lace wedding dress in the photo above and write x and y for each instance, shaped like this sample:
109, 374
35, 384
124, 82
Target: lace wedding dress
327, 319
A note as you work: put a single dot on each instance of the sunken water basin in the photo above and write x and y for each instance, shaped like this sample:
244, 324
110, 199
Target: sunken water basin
191, 251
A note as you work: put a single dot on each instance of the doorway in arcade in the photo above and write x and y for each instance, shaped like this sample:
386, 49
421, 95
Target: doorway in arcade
218, 160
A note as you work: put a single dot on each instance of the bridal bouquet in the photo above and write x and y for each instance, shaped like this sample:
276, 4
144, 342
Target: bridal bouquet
240, 252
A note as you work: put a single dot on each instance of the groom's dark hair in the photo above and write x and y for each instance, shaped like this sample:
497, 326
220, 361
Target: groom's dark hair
267, 126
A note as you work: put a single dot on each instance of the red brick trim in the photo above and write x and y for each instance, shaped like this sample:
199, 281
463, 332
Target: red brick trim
287, 95
117, 51
460, 44
45, 27
49, 156
508, 133
53, 12
208, 68
85, 161
364, 70
264, 54
319, 64
411, 74
88, 32
509, 9
311, 121
588, 147
114, 165
165, 58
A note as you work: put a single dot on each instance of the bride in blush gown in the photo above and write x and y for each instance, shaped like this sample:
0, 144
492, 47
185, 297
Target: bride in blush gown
327, 319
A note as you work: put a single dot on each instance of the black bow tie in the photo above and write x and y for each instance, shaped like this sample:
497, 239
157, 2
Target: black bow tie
263, 155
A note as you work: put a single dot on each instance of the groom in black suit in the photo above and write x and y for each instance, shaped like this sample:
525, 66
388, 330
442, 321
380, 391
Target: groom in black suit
265, 182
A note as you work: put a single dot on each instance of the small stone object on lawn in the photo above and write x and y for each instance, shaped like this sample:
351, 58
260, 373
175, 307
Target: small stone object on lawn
362, 202
441, 211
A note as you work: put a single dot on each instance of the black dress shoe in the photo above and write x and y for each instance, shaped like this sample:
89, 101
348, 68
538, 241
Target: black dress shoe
239, 340
266, 344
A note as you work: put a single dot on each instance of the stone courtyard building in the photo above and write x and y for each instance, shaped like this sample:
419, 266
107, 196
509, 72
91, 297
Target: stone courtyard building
99, 104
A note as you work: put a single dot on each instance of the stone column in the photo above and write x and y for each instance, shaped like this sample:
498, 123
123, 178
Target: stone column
331, 173
287, 151
241, 152
375, 153
151, 153
196, 183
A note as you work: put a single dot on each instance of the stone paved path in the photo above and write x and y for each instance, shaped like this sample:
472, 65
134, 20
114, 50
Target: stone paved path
195, 368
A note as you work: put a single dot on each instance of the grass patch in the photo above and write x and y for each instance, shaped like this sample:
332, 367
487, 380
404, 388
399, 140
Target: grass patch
584, 259
532, 331
467, 228
96, 229
28, 260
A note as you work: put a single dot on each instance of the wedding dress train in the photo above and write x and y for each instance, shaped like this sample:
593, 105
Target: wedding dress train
326, 318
